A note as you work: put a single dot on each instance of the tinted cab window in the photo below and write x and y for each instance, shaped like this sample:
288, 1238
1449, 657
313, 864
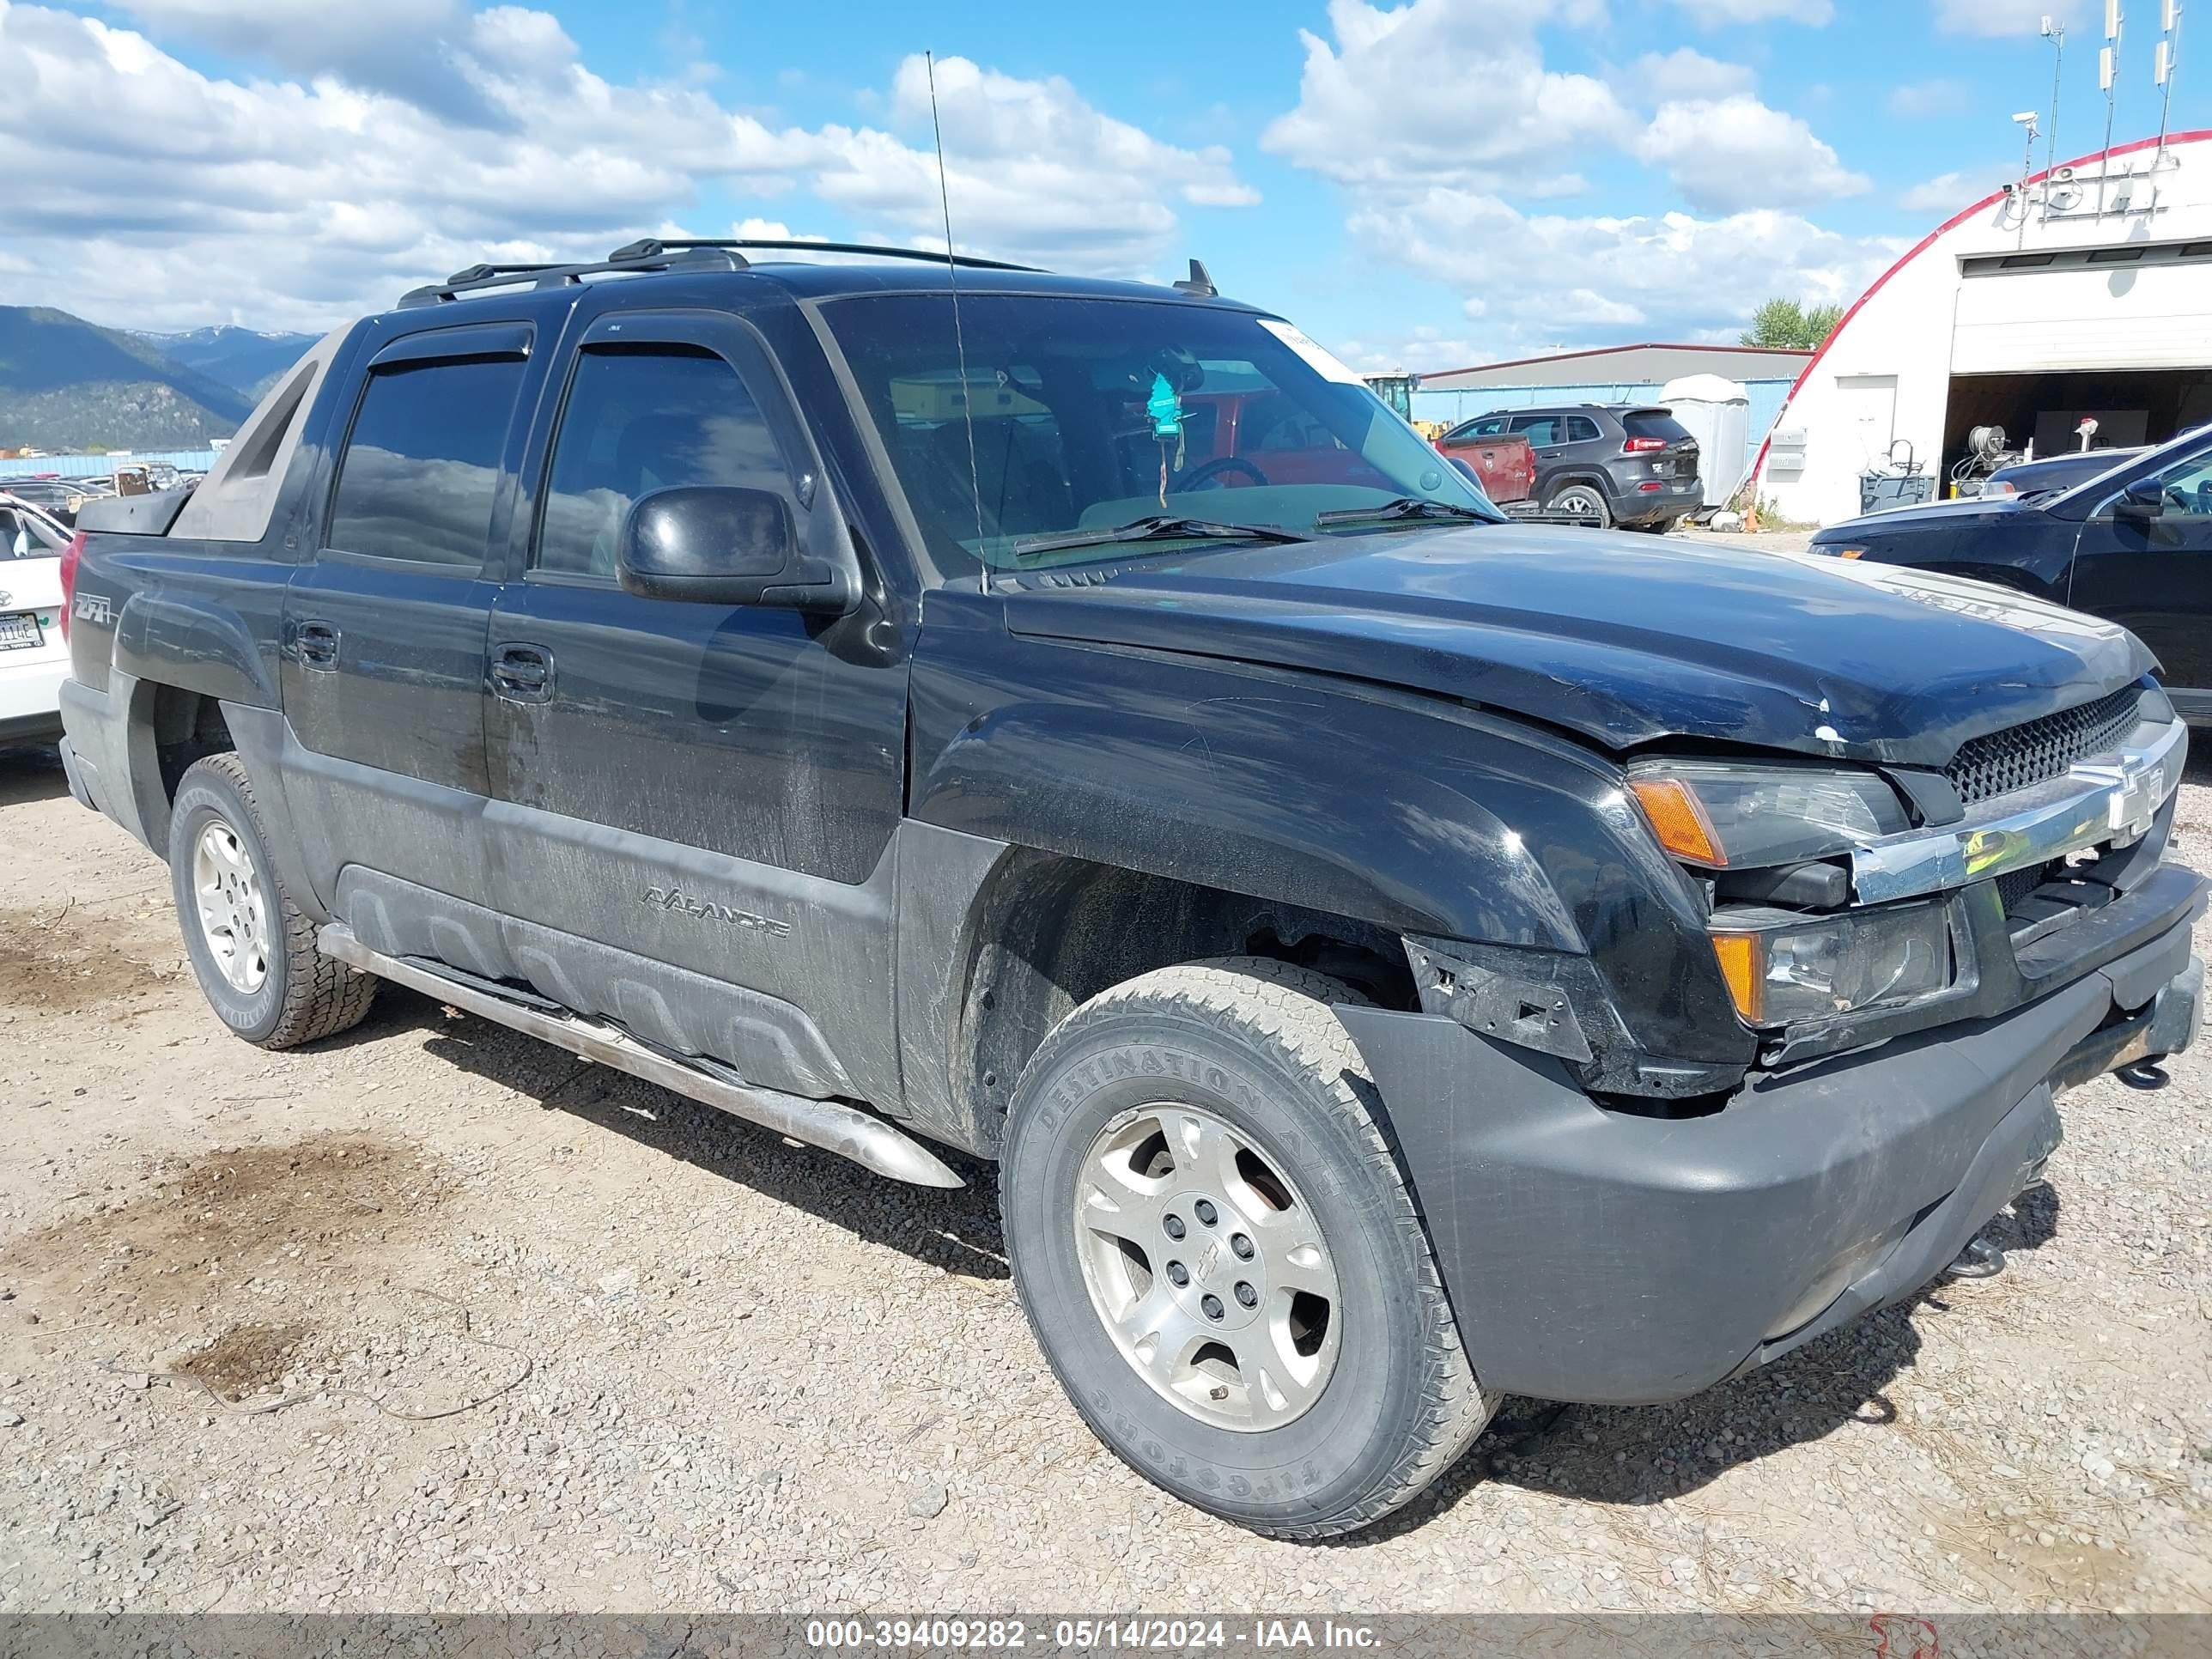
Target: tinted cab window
421, 467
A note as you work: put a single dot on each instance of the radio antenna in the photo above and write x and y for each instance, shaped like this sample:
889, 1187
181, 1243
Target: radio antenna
959, 340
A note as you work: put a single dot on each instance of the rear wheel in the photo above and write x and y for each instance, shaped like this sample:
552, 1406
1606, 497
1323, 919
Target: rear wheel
1219, 1255
252, 949
1584, 501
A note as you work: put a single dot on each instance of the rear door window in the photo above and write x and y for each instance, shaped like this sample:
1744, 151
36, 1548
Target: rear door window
421, 471
1581, 429
1542, 429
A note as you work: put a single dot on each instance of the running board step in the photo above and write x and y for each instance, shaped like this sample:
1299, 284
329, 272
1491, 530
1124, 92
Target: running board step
829, 1124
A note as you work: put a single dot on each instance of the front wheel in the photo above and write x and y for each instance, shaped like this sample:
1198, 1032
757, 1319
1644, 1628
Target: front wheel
1218, 1254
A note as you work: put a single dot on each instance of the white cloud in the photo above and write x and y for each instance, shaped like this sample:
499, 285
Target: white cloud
1994, 18
1601, 279
1722, 13
408, 47
1948, 192
1029, 166
1430, 115
1916, 99
1450, 90
1684, 73
1425, 349
300, 202
1735, 153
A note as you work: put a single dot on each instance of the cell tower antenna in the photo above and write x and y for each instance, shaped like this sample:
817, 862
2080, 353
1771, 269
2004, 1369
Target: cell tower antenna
2108, 65
2163, 65
2054, 32
959, 339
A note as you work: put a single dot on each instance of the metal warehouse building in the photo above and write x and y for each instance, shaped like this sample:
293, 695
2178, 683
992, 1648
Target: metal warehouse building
2084, 291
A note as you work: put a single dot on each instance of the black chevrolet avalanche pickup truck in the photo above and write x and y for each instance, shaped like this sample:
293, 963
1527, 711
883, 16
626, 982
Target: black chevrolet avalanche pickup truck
1395, 957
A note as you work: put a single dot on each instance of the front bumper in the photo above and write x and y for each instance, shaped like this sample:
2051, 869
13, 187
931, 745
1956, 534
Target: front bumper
1599, 1257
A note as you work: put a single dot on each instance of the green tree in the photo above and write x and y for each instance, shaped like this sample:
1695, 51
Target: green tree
1786, 323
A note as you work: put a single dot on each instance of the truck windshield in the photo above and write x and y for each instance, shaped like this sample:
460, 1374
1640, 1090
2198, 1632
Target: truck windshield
1092, 413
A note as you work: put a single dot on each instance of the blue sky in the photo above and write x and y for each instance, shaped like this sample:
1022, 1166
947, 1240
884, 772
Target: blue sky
1435, 183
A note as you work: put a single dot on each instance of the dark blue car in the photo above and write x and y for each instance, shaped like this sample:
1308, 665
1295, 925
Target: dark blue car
2132, 544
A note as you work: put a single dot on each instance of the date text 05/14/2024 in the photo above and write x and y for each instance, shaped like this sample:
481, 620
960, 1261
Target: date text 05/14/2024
1089, 1635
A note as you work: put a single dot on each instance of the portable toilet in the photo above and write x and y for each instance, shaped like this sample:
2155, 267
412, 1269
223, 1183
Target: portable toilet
1717, 412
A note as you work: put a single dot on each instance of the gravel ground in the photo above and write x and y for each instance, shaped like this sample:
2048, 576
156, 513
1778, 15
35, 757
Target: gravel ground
540, 1337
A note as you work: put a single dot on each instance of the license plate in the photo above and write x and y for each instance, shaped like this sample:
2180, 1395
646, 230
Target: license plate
18, 630
1662, 469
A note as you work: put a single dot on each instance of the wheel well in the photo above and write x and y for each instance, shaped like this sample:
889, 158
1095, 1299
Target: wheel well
182, 727
1052, 932
1561, 481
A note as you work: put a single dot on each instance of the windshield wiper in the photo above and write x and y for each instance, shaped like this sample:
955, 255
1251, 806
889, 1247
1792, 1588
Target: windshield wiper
1156, 527
1404, 507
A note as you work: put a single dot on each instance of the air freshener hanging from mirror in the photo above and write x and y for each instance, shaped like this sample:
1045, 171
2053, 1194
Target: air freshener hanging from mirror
1165, 408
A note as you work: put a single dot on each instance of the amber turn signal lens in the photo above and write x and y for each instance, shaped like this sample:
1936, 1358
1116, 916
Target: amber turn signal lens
1682, 826
1739, 955
1849, 552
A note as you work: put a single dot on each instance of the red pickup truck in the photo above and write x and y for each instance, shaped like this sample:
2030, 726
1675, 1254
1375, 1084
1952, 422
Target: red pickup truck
1504, 463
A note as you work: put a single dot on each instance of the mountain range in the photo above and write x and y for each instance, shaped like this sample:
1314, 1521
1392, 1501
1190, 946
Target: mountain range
67, 385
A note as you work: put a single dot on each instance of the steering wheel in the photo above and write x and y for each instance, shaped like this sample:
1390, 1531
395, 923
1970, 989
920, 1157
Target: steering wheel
1205, 471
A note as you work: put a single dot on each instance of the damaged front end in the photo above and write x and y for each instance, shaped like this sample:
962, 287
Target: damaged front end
1919, 959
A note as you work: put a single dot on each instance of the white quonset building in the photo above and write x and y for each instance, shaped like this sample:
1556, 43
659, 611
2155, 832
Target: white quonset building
2088, 291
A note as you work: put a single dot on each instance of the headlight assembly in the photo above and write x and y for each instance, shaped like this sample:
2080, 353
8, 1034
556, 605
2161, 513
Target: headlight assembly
1781, 966
1727, 815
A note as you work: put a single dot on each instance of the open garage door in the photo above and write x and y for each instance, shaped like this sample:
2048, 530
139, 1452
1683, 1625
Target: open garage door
2131, 406
2093, 312
2041, 339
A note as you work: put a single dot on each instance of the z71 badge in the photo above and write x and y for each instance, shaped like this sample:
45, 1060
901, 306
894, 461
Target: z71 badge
92, 608
675, 898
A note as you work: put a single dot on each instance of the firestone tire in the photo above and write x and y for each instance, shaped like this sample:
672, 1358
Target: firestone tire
1249, 1044
252, 949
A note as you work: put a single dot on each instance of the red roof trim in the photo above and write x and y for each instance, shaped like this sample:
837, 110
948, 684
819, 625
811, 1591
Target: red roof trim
2194, 135
1606, 351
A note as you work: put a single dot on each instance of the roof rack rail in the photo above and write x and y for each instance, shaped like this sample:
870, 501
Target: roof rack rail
650, 248
477, 278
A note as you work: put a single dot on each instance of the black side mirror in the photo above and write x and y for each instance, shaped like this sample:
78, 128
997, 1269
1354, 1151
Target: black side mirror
2142, 500
720, 544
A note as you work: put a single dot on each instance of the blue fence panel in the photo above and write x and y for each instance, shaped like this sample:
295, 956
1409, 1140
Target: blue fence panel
101, 467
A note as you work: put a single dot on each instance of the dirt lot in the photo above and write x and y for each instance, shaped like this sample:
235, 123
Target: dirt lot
433, 1317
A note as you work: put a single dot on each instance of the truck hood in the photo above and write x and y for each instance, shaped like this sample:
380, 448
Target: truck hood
1626, 640
1977, 511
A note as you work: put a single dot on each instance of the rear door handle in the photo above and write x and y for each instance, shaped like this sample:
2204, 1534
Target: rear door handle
317, 643
523, 674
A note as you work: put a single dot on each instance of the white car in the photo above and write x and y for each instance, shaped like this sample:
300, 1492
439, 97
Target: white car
34, 659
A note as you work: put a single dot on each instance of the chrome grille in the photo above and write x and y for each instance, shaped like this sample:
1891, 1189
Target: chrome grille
2041, 749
